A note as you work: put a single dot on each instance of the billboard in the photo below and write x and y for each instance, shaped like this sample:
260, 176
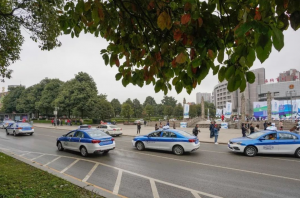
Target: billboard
218, 112
228, 110
186, 111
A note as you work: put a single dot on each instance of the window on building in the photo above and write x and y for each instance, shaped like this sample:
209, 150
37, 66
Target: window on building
276, 93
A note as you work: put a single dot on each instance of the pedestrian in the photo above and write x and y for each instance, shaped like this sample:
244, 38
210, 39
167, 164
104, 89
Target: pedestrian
145, 122
281, 125
168, 124
61, 122
57, 122
75, 121
196, 131
70, 122
138, 128
222, 117
52, 122
244, 130
251, 128
216, 133
160, 125
66, 122
293, 129
212, 129
256, 129
156, 127
174, 125
265, 125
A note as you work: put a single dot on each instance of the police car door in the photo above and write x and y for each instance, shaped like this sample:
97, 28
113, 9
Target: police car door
75, 141
167, 140
67, 140
267, 145
287, 143
152, 140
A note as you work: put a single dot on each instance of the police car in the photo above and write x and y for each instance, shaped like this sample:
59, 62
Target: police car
267, 142
86, 141
20, 129
167, 139
6, 123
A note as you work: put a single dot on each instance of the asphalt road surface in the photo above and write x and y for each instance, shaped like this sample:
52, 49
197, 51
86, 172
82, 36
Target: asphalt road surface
211, 171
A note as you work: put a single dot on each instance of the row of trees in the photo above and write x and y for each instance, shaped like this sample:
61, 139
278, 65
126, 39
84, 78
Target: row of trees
79, 97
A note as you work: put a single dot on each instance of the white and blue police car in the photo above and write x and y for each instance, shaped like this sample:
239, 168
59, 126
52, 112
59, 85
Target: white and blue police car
86, 141
267, 142
167, 139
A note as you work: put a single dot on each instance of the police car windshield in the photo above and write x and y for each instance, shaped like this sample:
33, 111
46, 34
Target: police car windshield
255, 135
184, 133
96, 133
23, 124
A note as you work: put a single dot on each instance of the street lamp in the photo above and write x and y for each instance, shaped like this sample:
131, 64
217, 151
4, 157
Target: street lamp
290, 93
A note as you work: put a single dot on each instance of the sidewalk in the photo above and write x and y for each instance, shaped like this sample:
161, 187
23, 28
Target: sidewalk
130, 130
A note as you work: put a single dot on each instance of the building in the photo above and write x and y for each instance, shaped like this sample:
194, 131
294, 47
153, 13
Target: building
290, 75
279, 91
212, 98
206, 97
221, 95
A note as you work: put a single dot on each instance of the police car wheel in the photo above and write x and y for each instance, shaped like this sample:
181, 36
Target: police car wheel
83, 151
178, 150
140, 146
59, 146
250, 151
105, 152
31, 133
297, 153
14, 133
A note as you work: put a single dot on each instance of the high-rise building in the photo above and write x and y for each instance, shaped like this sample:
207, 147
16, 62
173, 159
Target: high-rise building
206, 97
290, 75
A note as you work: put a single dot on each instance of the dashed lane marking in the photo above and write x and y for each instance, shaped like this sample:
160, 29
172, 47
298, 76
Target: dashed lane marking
196, 195
90, 173
52, 161
37, 157
215, 166
118, 182
69, 166
154, 189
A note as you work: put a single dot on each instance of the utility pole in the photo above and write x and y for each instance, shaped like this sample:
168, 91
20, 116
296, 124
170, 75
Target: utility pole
55, 113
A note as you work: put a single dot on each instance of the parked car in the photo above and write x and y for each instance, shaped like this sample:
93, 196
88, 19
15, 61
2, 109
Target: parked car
139, 121
112, 130
20, 129
86, 141
6, 123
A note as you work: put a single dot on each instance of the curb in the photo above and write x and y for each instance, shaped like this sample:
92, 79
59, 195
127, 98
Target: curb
126, 135
65, 177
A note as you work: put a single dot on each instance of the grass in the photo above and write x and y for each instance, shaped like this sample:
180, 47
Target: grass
18, 179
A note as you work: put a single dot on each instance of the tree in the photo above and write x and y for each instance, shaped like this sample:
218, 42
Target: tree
180, 40
178, 110
49, 95
211, 107
168, 111
169, 101
10, 100
126, 111
149, 110
129, 101
159, 110
116, 105
193, 111
149, 100
26, 102
102, 109
102, 97
38, 18
137, 108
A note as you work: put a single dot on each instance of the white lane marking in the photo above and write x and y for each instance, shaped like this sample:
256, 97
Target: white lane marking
37, 157
196, 195
211, 165
118, 182
69, 166
24, 154
154, 189
90, 173
52, 160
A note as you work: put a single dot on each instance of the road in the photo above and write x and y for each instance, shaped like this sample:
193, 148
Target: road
212, 171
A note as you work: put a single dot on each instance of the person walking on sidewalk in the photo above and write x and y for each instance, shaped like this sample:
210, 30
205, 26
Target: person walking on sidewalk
211, 129
66, 122
244, 130
174, 125
251, 128
281, 125
216, 133
52, 122
156, 127
256, 129
138, 128
196, 131
265, 125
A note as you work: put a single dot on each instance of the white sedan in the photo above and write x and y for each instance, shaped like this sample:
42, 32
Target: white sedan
20, 129
112, 130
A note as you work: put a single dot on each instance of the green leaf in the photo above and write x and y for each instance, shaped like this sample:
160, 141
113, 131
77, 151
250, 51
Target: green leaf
80, 6
250, 57
216, 69
243, 84
118, 76
173, 5
230, 85
175, 80
263, 54
237, 82
221, 56
250, 77
95, 15
295, 20
278, 38
221, 74
196, 62
245, 27
178, 87
229, 72
242, 61
106, 58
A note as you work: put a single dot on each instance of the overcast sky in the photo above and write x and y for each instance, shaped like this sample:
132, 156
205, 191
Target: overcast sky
83, 54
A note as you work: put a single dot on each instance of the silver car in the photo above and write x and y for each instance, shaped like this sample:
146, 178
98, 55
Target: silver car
20, 128
112, 130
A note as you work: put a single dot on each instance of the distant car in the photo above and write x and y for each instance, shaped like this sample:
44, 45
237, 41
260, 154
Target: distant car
172, 120
167, 139
86, 142
139, 121
20, 129
6, 123
112, 130
267, 142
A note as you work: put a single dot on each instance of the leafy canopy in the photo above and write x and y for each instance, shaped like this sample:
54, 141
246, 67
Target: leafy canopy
178, 42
